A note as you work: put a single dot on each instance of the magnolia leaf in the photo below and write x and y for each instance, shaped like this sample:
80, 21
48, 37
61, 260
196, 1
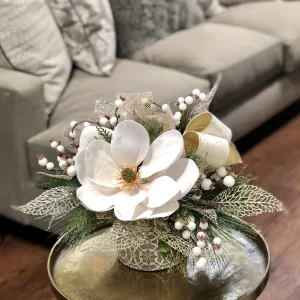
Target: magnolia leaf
55, 203
49, 181
245, 200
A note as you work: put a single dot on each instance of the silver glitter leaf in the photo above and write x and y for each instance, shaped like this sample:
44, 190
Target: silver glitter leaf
203, 106
245, 200
55, 203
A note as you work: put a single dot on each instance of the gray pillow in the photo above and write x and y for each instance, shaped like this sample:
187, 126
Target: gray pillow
212, 8
30, 42
88, 29
140, 23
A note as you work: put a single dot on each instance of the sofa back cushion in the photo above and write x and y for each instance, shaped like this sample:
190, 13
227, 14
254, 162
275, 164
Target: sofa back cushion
31, 42
140, 23
88, 30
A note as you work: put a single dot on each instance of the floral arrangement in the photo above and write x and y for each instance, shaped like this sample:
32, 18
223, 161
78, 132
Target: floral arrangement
148, 174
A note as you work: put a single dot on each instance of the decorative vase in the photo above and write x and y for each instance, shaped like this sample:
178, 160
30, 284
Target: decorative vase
144, 256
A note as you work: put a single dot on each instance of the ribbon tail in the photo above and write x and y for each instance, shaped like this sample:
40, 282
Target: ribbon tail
234, 156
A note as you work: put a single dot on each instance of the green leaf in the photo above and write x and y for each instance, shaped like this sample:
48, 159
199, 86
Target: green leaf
49, 181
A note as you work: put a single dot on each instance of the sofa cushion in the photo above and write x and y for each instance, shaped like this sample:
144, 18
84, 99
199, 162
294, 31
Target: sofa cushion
279, 19
246, 58
78, 100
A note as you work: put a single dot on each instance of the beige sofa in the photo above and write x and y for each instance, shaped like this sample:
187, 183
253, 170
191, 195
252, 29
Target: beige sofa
256, 46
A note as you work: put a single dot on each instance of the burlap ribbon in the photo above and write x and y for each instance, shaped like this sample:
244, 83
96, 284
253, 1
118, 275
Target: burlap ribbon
209, 137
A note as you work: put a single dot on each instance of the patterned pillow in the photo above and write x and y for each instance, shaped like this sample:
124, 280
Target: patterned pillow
31, 42
140, 23
88, 29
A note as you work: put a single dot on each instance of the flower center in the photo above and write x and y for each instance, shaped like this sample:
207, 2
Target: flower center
128, 175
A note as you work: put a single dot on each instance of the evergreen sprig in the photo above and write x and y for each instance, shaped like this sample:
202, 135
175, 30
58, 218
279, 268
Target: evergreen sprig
104, 133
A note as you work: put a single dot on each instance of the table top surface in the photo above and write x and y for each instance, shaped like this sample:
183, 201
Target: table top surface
79, 274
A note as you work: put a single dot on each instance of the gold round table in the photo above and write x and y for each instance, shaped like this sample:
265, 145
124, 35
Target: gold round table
77, 274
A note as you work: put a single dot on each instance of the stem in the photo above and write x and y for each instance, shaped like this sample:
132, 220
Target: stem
82, 122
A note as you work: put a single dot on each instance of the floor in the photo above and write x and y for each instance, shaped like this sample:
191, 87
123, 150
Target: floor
275, 161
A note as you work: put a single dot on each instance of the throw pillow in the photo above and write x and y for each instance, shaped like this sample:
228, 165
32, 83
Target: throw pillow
88, 29
31, 42
212, 8
141, 23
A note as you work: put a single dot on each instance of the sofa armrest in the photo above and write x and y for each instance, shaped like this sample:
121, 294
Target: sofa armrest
21, 116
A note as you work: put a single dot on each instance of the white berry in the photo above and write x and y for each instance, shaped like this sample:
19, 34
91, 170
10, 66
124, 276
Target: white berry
186, 234
119, 103
165, 107
201, 244
73, 123
229, 181
215, 177
54, 144
202, 97
59, 158
177, 123
50, 166
181, 100
219, 251
201, 235
60, 148
104, 121
206, 184
203, 176
196, 251
70, 160
178, 113
222, 172
176, 118
72, 134
201, 264
203, 225
182, 106
113, 120
196, 92
178, 225
145, 101
71, 171
62, 164
189, 100
43, 161
191, 226
86, 124
217, 241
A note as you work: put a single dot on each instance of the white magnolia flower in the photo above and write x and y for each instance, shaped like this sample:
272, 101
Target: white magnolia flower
136, 179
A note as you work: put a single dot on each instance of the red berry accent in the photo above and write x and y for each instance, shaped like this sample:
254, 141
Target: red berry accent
203, 220
107, 117
41, 156
60, 154
122, 98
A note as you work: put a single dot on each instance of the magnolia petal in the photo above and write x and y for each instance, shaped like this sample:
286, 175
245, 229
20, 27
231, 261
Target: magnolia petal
141, 211
163, 152
81, 167
88, 135
97, 198
161, 190
165, 210
100, 166
130, 143
129, 205
185, 173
